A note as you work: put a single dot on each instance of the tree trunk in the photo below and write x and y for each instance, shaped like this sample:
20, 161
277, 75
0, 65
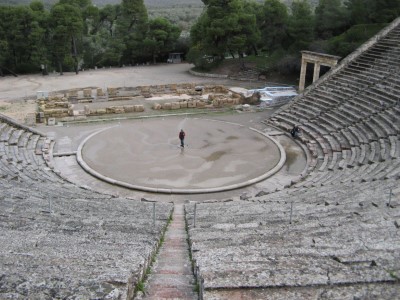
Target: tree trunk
255, 50
60, 67
1, 71
75, 55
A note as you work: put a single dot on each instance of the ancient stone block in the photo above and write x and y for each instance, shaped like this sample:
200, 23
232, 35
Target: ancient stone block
79, 113
200, 104
73, 94
236, 101
51, 121
129, 108
220, 89
191, 104
87, 93
173, 87
139, 108
100, 92
86, 109
110, 110
167, 106
216, 103
175, 105
157, 106
101, 111
112, 92
119, 110
183, 104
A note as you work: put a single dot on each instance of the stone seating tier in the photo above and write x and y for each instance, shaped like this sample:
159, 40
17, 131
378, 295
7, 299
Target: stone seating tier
47, 222
313, 250
98, 249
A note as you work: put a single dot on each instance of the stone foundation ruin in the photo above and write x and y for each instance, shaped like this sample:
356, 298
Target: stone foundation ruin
63, 108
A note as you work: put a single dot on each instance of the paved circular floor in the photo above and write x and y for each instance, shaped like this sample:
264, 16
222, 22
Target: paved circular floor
146, 155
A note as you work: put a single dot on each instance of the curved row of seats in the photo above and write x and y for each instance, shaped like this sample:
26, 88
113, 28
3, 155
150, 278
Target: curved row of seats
60, 241
304, 242
351, 121
334, 232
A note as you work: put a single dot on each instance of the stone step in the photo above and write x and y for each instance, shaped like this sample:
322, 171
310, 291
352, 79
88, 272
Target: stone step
171, 276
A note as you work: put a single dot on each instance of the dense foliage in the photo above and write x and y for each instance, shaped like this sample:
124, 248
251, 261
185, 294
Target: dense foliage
75, 34
280, 31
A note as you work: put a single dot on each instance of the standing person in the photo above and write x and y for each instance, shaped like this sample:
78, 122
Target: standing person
182, 138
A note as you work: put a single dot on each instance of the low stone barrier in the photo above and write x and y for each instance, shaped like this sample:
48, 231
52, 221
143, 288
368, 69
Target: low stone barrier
207, 74
120, 109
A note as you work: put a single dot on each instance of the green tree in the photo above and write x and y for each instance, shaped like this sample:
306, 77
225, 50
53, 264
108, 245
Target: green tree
372, 11
388, 10
161, 37
225, 26
300, 26
360, 11
107, 46
331, 18
66, 29
273, 20
22, 38
132, 28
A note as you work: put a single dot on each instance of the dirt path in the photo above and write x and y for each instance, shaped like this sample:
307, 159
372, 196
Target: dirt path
26, 86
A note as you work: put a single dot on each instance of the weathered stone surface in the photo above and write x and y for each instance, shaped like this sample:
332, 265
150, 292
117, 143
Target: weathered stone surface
254, 244
60, 241
157, 106
175, 105
191, 104
129, 108
112, 92
87, 93
200, 104
99, 92
139, 108
73, 94
167, 106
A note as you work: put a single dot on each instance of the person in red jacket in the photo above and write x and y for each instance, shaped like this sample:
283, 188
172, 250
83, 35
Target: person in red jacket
182, 138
